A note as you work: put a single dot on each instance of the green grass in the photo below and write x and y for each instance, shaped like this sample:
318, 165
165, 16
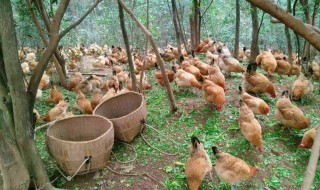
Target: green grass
282, 163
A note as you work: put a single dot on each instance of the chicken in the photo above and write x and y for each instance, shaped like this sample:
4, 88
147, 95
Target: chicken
84, 86
185, 65
257, 82
57, 111
44, 82
184, 78
76, 79
113, 80
290, 115
116, 68
39, 94
197, 165
111, 92
204, 45
203, 67
316, 70
55, 95
25, 68
284, 68
232, 169
145, 84
249, 126
36, 116
213, 94
95, 81
242, 55
216, 76
257, 105
230, 64
302, 86
211, 57
99, 62
82, 103
95, 98
267, 61
159, 78
308, 138
167, 56
122, 76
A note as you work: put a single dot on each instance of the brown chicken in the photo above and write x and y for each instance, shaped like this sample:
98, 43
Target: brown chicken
55, 95
290, 115
76, 79
302, 86
57, 111
145, 84
203, 67
250, 127
213, 93
184, 78
185, 65
84, 86
284, 68
257, 82
230, 64
167, 56
44, 82
197, 165
216, 76
36, 116
267, 61
308, 138
82, 103
232, 169
159, 78
95, 98
111, 92
257, 105
204, 45
316, 70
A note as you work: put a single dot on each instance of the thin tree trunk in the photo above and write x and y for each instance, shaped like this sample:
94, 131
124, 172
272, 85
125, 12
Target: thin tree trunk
255, 35
172, 101
126, 42
237, 35
287, 32
176, 27
313, 162
182, 32
306, 47
146, 53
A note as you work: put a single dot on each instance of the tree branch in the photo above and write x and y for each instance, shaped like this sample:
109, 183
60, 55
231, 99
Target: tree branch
289, 20
313, 28
206, 9
36, 22
55, 25
76, 23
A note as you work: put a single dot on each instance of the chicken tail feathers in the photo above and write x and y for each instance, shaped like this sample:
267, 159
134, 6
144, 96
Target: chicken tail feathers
215, 150
195, 141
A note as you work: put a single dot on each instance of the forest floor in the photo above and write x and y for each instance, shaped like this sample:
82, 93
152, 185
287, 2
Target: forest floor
282, 164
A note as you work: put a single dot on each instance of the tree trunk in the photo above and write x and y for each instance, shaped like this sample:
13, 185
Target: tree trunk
255, 35
181, 30
306, 47
313, 162
172, 101
20, 104
237, 35
126, 42
292, 22
176, 27
194, 24
287, 32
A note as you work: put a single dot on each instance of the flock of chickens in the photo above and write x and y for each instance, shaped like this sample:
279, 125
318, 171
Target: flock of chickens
190, 71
